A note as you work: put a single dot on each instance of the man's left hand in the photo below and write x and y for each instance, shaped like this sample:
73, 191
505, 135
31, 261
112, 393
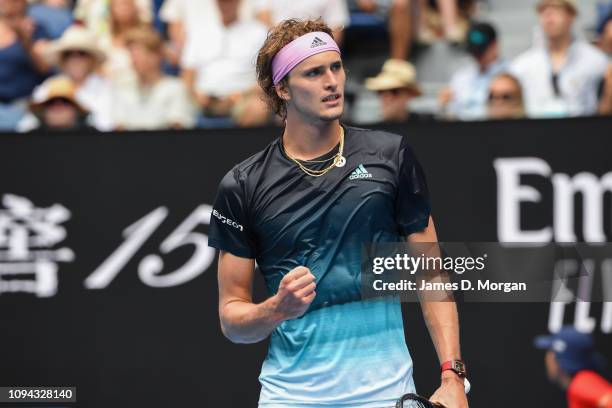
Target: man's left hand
451, 393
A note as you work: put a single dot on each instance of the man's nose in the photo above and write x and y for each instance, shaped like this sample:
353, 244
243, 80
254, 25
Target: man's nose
331, 80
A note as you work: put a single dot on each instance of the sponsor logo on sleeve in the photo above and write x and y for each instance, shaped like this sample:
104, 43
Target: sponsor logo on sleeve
228, 221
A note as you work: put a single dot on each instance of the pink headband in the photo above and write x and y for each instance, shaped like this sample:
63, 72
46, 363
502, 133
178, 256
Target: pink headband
298, 50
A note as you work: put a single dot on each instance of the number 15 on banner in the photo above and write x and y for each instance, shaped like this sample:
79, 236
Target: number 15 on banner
151, 266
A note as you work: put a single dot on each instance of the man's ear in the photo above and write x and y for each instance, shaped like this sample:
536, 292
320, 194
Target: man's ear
282, 91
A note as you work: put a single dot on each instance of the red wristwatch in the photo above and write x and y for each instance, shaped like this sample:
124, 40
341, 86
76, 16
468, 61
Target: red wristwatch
458, 366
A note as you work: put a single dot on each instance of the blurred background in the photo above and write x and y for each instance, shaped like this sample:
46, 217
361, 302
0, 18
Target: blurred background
115, 65
120, 117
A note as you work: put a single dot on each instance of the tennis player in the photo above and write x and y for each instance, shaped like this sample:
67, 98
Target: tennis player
302, 208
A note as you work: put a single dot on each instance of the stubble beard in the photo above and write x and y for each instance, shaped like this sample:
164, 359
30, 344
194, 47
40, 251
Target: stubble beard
331, 117
316, 117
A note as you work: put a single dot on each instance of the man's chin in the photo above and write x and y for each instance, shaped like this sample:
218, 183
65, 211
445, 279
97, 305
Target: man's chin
331, 116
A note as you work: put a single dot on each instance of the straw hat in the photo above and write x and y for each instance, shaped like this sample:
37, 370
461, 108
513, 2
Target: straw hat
55, 87
569, 4
76, 37
396, 73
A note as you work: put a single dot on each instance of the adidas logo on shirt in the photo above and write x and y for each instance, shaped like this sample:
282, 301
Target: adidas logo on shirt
317, 42
360, 173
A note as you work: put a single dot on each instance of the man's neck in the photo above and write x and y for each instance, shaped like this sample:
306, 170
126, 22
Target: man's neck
120, 30
228, 23
306, 141
559, 46
79, 82
485, 66
402, 116
396, 114
149, 78
558, 49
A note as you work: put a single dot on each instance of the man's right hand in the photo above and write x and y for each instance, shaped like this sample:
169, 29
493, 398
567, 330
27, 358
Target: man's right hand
296, 292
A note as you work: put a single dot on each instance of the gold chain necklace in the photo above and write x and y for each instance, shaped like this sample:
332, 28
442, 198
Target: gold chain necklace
338, 160
318, 161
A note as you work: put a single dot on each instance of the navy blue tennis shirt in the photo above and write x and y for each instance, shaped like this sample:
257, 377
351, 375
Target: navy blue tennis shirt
345, 351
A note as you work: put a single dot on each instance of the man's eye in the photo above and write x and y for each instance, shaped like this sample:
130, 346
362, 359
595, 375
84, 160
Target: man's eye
313, 73
336, 67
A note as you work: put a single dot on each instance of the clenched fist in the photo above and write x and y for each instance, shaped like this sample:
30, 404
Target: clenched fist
295, 293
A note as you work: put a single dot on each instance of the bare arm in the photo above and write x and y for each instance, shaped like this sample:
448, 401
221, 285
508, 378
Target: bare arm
243, 321
440, 316
176, 33
188, 75
173, 48
24, 28
605, 105
443, 324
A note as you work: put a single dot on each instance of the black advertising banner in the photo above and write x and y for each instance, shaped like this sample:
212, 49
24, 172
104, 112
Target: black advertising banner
108, 287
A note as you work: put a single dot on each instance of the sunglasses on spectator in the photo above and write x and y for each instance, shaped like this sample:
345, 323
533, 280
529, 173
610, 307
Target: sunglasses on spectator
75, 53
58, 102
394, 91
503, 97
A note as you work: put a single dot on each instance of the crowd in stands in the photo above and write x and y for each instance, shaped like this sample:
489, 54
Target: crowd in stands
115, 65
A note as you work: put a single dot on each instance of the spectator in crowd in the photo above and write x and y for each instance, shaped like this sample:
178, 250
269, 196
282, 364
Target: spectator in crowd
57, 108
54, 15
605, 103
221, 74
453, 26
186, 17
77, 56
572, 363
466, 96
396, 86
603, 10
124, 15
560, 78
334, 13
605, 35
399, 15
109, 20
22, 64
604, 41
95, 14
505, 99
449, 12
156, 101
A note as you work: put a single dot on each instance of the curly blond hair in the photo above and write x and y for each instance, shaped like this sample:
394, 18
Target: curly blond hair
279, 36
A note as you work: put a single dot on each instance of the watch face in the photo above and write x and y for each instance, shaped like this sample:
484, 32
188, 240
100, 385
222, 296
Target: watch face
459, 367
